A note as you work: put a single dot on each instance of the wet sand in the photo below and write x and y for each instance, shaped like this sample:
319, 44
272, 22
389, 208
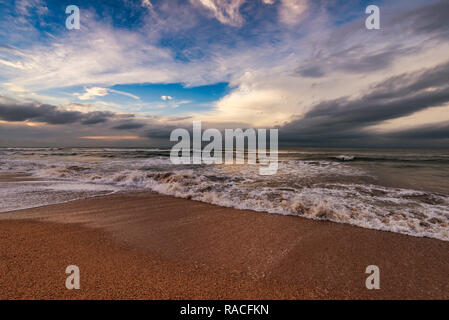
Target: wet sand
151, 246
15, 177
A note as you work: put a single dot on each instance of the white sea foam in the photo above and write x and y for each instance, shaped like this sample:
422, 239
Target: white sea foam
345, 157
136, 150
30, 194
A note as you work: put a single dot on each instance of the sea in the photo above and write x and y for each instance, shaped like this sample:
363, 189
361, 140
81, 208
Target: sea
397, 190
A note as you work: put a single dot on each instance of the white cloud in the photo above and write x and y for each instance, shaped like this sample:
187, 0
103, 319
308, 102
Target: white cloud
225, 11
177, 104
166, 98
291, 11
93, 92
147, 4
100, 54
124, 94
24, 7
17, 65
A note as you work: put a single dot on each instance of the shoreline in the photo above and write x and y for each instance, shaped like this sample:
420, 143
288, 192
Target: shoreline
151, 246
24, 177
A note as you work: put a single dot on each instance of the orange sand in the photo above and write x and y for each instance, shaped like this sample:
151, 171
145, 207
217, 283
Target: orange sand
150, 246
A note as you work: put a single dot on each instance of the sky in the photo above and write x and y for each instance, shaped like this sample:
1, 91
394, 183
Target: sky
136, 70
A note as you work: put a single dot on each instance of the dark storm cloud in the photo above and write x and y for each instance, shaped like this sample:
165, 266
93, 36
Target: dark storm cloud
346, 119
15, 111
96, 117
407, 84
129, 126
159, 132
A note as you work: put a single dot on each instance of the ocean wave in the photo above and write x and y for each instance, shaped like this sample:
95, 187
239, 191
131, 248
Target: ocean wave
301, 188
135, 150
344, 158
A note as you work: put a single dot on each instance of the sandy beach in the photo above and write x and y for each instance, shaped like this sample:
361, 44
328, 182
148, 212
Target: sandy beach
151, 246
224, 150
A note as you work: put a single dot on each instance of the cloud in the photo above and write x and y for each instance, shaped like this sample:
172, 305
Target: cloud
382, 59
291, 11
98, 54
225, 11
129, 126
147, 4
25, 7
346, 120
326, 63
311, 71
426, 117
93, 92
166, 98
17, 65
95, 117
228, 11
430, 19
15, 111
429, 132
355, 59
159, 132
124, 94
177, 118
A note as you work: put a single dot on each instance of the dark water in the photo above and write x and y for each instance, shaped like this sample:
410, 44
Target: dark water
421, 169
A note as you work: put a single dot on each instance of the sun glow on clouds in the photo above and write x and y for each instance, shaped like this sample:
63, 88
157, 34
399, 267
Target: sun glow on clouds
426, 117
17, 65
26, 123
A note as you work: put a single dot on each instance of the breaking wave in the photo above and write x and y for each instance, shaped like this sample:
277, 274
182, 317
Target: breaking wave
315, 189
